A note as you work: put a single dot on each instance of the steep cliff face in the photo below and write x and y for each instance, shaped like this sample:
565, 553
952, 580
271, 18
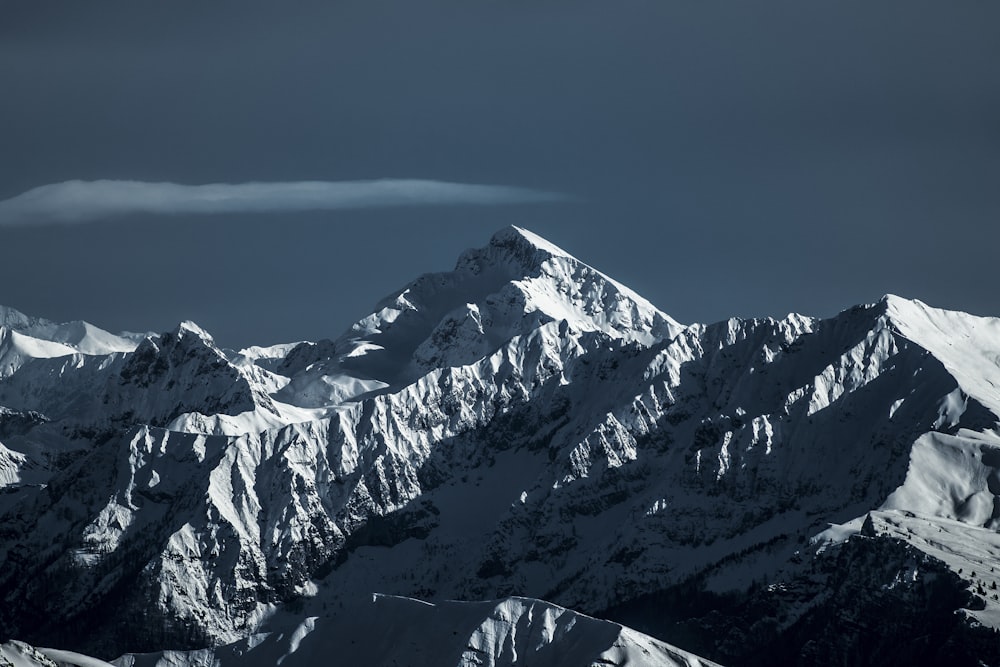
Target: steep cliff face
521, 425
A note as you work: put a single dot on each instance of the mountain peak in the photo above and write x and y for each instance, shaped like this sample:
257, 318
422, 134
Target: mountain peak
503, 290
536, 260
515, 252
893, 303
916, 317
187, 327
965, 344
498, 293
15, 319
513, 236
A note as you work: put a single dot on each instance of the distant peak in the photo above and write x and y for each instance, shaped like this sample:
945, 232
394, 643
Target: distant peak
15, 319
81, 336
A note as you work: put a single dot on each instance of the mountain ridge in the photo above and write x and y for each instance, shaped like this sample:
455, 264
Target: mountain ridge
521, 425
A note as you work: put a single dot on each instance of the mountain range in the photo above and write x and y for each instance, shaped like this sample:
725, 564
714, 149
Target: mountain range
522, 430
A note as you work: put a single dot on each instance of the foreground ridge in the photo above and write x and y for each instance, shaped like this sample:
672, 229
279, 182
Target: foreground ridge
388, 630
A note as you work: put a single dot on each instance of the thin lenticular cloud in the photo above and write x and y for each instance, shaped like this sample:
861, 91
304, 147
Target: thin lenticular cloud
87, 201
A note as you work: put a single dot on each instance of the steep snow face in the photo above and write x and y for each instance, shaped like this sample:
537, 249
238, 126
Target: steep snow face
388, 630
968, 346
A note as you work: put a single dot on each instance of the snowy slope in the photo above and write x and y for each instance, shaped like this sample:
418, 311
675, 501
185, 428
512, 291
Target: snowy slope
965, 344
388, 630
45, 346
19, 654
23, 338
17, 348
522, 425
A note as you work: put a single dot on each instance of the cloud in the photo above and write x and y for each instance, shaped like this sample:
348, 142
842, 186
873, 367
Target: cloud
86, 201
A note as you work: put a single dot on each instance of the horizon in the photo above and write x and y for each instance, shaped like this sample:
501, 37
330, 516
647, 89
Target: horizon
205, 163
360, 316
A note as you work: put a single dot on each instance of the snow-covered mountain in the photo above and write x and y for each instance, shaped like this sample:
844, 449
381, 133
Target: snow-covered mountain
522, 425
24, 338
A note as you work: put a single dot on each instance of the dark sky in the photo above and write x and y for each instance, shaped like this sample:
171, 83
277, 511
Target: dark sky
729, 158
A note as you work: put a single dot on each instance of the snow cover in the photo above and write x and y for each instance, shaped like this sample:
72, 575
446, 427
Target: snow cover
79, 336
391, 630
522, 424
19, 654
507, 289
967, 345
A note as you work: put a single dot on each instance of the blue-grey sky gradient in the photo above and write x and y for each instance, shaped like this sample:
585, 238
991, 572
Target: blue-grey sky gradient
725, 158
